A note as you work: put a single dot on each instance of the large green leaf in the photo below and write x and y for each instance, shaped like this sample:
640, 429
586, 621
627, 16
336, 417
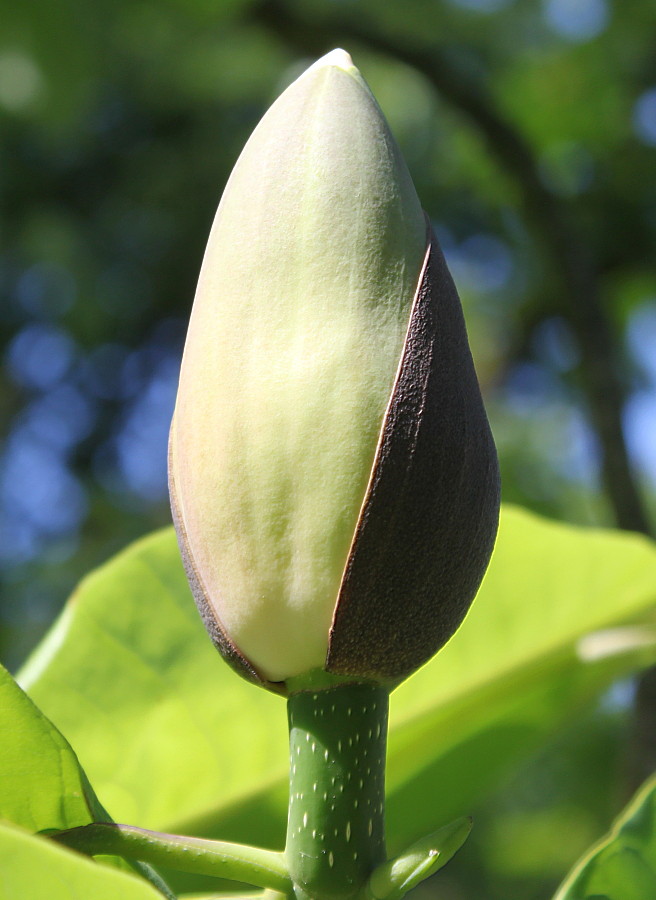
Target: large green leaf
163, 728
34, 868
562, 612
173, 739
41, 783
622, 866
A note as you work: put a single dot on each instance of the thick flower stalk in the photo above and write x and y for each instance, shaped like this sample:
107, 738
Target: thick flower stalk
333, 478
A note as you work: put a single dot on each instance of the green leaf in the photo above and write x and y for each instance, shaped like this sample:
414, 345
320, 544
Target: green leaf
164, 728
41, 782
622, 866
36, 868
42, 785
394, 878
562, 612
173, 740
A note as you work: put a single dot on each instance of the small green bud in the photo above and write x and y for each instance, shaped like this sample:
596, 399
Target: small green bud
333, 478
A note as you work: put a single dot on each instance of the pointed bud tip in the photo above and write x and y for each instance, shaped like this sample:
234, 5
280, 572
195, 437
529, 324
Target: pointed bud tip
338, 58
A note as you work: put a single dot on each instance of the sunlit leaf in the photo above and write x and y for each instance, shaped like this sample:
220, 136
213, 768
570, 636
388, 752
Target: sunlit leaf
622, 866
173, 739
549, 630
163, 728
41, 783
36, 868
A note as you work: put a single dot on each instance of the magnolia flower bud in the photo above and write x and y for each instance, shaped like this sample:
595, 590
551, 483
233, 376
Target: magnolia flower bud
333, 478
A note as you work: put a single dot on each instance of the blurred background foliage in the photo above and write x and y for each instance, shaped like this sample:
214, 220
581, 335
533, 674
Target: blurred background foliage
529, 127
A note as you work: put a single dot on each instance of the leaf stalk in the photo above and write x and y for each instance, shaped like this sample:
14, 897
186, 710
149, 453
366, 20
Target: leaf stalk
236, 862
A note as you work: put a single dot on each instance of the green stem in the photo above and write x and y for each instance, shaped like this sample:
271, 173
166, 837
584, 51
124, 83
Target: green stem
336, 823
237, 862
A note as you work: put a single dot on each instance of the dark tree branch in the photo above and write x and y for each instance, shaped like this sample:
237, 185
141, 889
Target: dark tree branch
640, 760
551, 221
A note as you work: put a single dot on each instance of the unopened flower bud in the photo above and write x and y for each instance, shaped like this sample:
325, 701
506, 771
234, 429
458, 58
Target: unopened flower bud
333, 477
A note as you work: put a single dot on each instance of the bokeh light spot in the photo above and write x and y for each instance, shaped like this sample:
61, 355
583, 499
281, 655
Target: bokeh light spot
644, 117
45, 290
142, 444
60, 419
577, 20
39, 356
482, 263
38, 488
640, 428
641, 337
20, 80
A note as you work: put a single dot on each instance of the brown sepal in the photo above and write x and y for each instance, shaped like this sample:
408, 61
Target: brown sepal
429, 520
